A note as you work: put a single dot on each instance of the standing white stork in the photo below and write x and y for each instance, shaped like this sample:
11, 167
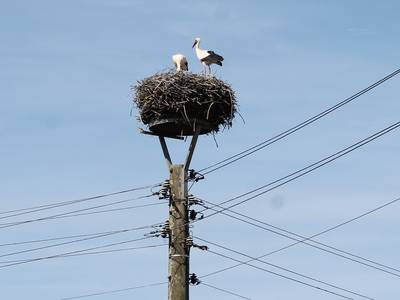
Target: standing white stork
180, 62
207, 57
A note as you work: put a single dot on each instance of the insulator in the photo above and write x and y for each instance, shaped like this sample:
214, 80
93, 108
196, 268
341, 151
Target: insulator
166, 183
164, 232
201, 247
199, 177
192, 174
193, 279
166, 225
189, 241
163, 193
195, 176
194, 201
192, 215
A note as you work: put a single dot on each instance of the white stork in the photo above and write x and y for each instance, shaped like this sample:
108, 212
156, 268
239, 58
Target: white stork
207, 57
180, 62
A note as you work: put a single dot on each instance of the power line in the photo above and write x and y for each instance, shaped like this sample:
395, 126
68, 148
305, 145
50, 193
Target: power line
308, 169
340, 225
71, 236
69, 215
57, 216
302, 240
109, 210
116, 291
280, 275
78, 240
63, 203
223, 290
293, 129
116, 250
148, 285
14, 263
93, 253
285, 269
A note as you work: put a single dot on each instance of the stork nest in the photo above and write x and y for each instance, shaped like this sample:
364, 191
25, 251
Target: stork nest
185, 96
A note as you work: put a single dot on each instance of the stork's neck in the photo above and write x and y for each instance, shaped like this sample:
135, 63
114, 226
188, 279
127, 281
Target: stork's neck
198, 50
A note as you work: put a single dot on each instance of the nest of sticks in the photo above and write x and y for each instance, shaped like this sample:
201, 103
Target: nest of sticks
187, 97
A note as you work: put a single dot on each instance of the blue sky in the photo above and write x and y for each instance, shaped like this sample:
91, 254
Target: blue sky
66, 68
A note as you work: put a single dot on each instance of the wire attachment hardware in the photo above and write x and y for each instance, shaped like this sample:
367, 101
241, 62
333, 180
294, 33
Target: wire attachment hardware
163, 232
164, 191
192, 200
194, 215
193, 280
201, 247
189, 242
195, 176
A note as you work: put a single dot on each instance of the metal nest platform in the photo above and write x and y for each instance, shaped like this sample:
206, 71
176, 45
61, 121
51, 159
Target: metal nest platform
173, 127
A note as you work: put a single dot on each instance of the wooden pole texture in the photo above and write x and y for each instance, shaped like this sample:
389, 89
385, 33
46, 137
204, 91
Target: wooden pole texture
178, 269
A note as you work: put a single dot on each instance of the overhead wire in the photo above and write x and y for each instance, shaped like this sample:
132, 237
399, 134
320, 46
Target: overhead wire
272, 140
116, 291
7, 264
281, 275
304, 171
332, 251
93, 252
284, 269
116, 250
60, 215
112, 210
340, 225
87, 238
223, 290
150, 285
63, 203
67, 237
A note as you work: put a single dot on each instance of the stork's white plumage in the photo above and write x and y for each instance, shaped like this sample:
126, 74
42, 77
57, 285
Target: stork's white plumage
207, 57
180, 62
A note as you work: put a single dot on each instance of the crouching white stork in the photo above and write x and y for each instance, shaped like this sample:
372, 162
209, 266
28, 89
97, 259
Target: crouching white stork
207, 57
180, 62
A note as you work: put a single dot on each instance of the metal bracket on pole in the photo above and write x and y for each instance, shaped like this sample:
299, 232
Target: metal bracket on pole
165, 151
189, 156
191, 148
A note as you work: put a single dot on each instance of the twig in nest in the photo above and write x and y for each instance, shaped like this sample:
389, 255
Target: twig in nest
208, 112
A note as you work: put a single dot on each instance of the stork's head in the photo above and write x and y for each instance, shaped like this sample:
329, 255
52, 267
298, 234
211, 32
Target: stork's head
196, 41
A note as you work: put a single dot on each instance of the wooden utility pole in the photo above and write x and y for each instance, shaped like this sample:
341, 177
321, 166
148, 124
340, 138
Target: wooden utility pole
179, 249
178, 269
